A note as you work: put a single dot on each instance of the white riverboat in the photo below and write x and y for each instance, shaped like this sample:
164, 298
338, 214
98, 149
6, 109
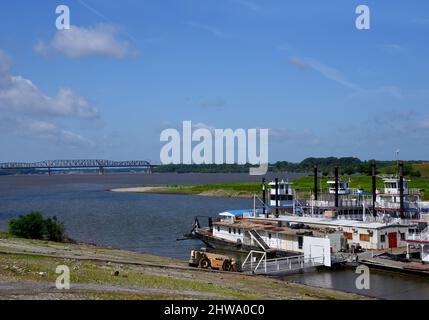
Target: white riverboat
341, 222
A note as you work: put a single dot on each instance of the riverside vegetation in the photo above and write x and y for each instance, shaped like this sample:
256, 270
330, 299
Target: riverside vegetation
27, 271
35, 246
302, 185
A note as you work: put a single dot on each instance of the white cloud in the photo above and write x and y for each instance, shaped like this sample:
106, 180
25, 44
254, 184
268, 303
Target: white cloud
20, 95
201, 125
393, 48
54, 134
337, 76
36, 130
195, 126
214, 31
424, 124
24, 109
249, 5
77, 42
327, 72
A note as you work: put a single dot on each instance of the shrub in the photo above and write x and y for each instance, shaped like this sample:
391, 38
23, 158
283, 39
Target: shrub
416, 174
34, 226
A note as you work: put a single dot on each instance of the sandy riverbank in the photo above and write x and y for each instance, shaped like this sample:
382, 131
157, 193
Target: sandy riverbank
186, 190
27, 271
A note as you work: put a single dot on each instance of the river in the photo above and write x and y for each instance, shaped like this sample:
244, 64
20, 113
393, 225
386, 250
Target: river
151, 223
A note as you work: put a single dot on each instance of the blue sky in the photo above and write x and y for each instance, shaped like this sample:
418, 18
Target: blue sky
299, 68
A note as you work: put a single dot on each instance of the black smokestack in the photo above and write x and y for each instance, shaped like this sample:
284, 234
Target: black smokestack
277, 196
337, 170
401, 189
315, 183
264, 198
374, 187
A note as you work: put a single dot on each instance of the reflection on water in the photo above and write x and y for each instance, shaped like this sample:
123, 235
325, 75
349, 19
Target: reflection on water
384, 285
151, 223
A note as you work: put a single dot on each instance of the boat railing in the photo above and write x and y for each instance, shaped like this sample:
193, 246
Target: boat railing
414, 192
256, 262
424, 204
419, 236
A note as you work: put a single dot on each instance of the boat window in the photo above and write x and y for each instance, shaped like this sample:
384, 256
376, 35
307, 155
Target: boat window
402, 236
239, 231
382, 238
218, 229
364, 237
348, 235
229, 230
269, 236
235, 231
300, 242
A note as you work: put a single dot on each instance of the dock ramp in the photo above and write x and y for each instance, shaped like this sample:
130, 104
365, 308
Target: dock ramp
257, 263
317, 252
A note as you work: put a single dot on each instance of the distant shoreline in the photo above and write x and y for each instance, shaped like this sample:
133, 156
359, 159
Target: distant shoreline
186, 190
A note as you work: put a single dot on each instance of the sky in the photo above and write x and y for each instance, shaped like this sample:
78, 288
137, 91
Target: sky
126, 70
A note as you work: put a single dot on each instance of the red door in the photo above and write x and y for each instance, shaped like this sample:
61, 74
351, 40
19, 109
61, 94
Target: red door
393, 240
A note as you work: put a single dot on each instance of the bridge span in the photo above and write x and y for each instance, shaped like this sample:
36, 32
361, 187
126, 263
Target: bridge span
78, 164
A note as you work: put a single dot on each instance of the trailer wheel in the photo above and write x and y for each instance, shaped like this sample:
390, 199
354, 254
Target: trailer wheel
227, 266
204, 263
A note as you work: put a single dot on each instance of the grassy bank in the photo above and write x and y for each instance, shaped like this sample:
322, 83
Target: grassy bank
27, 271
247, 189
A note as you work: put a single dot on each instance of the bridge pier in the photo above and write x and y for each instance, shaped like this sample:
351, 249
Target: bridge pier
101, 171
49, 172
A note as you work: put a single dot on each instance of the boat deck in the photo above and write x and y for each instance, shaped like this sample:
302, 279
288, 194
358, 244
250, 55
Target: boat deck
379, 260
268, 227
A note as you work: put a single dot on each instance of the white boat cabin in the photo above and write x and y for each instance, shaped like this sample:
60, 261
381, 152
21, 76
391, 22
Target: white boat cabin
285, 194
343, 187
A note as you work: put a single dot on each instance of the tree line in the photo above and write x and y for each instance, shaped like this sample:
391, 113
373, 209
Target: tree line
349, 166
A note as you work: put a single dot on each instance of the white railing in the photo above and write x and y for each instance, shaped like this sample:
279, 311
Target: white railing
420, 236
264, 266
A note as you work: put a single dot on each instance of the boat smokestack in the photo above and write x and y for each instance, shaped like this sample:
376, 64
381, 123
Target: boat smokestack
374, 186
315, 183
277, 197
264, 198
401, 189
337, 170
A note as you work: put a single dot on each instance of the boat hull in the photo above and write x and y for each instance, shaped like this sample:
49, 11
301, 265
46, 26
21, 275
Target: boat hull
217, 243
221, 244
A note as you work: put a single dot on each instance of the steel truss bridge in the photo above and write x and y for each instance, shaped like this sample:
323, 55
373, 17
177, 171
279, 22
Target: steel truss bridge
78, 164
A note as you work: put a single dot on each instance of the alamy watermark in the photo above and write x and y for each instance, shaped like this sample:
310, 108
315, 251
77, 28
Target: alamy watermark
63, 280
363, 280
63, 20
363, 21
216, 146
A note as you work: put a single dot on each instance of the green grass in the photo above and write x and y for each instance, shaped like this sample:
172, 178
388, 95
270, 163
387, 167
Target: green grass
27, 268
165, 279
423, 168
302, 185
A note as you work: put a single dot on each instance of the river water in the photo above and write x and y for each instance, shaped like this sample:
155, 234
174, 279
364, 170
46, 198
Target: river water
151, 223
